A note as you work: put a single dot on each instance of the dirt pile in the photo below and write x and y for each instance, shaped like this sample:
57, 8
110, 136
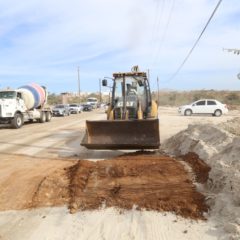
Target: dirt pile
232, 126
199, 167
148, 182
220, 150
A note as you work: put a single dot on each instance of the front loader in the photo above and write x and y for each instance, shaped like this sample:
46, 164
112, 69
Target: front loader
132, 118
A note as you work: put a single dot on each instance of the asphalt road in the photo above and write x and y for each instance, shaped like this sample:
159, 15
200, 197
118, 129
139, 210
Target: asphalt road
59, 138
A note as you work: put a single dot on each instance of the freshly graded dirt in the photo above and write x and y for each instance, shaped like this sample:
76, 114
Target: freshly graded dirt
199, 167
146, 181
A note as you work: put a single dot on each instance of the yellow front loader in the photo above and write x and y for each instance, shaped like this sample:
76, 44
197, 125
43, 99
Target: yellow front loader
132, 118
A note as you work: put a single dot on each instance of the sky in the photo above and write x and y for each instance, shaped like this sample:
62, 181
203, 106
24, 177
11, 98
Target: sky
46, 41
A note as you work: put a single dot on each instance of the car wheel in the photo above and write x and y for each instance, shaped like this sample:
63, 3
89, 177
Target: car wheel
188, 112
217, 113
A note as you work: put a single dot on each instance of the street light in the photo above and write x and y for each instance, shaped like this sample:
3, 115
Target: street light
79, 91
235, 51
104, 83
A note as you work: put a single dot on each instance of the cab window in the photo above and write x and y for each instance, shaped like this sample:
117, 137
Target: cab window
211, 103
200, 103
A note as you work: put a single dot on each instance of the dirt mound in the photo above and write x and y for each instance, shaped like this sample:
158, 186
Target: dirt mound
148, 182
232, 126
199, 167
220, 150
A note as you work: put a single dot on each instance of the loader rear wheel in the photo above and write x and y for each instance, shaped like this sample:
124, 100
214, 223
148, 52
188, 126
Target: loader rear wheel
17, 121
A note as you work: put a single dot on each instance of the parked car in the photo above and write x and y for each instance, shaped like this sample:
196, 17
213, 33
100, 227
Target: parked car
75, 108
61, 110
87, 107
204, 106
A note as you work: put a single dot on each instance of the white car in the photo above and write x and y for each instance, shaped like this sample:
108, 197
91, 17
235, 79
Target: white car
75, 108
204, 106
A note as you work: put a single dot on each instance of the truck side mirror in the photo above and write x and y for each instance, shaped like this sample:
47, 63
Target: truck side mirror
104, 82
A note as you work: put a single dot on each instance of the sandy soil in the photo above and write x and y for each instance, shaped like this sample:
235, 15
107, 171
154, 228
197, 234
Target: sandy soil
149, 182
31, 156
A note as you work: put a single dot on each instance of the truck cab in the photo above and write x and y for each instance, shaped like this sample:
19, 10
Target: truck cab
14, 111
11, 102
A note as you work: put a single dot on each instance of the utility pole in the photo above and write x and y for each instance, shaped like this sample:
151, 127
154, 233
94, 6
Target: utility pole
148, 75
79, 93
158, 90
100, 90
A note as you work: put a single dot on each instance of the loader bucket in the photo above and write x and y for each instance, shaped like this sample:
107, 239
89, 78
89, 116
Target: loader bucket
122, 134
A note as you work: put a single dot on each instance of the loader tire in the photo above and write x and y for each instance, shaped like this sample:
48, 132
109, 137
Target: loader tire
17, 121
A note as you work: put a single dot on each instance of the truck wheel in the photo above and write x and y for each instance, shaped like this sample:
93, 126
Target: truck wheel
42, 117
17, 121
48, 116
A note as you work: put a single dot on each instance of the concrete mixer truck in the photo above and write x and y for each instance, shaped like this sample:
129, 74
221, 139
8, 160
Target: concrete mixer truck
25, 104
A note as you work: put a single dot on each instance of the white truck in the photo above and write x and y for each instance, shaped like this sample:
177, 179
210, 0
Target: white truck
93, 102
26, 104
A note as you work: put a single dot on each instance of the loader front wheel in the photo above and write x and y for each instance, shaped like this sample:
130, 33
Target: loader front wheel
17, 121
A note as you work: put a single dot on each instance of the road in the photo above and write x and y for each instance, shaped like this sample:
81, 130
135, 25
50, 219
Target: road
29, 154
62, 136
49, 140
36, 150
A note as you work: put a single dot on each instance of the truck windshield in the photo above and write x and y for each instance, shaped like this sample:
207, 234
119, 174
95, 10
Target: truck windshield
8, 94
92, 100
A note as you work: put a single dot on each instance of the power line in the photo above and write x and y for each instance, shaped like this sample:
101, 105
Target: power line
164, 32
195, 44
156, 27
155, 20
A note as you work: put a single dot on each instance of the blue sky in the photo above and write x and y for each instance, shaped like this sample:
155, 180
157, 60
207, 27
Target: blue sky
45, 41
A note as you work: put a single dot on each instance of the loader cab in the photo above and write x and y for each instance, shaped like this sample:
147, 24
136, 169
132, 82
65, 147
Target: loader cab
131, 92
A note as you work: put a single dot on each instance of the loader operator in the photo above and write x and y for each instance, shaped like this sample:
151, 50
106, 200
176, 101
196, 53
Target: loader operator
131, 90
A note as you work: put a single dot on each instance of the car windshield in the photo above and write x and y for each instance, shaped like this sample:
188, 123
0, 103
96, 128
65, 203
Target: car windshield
8, 94
59, 106
73, 105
